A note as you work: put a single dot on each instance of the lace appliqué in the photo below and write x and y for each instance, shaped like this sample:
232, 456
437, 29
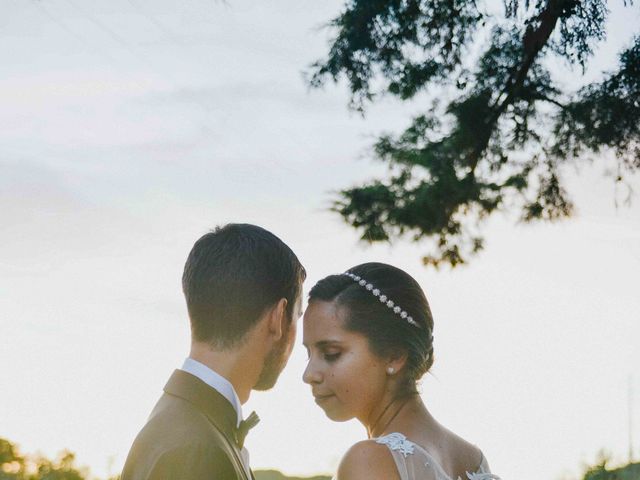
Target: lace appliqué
398, 442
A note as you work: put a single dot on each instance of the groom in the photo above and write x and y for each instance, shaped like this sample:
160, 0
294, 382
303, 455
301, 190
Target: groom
243, 290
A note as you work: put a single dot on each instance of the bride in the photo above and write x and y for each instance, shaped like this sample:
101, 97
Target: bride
368, 333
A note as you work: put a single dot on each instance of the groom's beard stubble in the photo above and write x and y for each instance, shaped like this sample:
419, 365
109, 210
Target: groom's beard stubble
274, 363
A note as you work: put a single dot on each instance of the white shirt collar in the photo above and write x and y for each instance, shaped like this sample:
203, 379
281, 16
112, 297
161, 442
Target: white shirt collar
215, 381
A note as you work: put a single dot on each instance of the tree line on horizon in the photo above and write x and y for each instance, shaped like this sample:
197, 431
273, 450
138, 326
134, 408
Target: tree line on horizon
17, 466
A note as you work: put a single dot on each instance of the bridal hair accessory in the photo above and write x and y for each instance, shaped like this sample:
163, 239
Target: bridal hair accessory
383, 298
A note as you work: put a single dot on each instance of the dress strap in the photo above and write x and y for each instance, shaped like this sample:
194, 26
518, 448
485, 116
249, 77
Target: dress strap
397, 442
414, 464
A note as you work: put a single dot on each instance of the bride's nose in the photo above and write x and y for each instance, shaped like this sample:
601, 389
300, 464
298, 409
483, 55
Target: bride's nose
311, 374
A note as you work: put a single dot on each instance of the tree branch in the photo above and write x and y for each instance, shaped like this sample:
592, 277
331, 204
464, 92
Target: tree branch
535, 38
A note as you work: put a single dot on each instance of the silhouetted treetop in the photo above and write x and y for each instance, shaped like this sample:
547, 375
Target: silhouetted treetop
497, 125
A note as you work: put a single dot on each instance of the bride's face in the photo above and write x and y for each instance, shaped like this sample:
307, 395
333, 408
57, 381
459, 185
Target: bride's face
347, 380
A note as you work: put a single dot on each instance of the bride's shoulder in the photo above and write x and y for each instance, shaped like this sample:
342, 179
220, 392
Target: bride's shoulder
368, 460
466, 457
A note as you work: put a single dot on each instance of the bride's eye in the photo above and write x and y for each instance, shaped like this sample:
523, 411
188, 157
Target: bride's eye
331, 357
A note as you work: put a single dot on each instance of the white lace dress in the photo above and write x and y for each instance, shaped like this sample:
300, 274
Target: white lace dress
415, 463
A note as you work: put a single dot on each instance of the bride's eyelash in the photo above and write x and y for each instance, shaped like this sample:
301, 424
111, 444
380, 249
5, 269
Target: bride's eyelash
331, 357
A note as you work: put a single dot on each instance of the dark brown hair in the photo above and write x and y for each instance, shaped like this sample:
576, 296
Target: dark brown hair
386, 331
232, 275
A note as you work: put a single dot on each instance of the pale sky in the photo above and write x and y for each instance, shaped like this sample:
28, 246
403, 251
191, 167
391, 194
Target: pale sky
129, 128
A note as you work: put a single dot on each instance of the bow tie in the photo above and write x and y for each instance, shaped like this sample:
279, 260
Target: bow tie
244, 427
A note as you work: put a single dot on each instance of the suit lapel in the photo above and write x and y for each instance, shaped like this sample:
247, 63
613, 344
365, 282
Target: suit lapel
210, 402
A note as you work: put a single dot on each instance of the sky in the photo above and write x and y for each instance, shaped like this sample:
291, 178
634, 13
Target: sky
129, 128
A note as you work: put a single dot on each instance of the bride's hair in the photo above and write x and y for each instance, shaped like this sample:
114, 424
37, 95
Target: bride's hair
386, 330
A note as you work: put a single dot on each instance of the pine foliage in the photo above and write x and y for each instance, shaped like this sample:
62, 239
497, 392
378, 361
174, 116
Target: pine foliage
507, 126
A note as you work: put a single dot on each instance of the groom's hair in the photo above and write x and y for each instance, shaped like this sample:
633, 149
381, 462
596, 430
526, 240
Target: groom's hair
232, 275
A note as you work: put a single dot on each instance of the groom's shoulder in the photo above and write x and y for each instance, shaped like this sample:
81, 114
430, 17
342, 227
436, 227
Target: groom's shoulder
176, 420
367, 460
176, 440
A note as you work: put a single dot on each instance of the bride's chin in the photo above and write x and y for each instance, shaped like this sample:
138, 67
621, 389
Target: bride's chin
338, 416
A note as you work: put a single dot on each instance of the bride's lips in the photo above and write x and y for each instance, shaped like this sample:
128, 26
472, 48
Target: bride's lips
321, 398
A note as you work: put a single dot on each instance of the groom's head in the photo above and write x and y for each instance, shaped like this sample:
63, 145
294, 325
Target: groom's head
232, 277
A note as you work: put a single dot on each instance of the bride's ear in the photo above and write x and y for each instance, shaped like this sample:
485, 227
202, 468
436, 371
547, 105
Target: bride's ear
396, 362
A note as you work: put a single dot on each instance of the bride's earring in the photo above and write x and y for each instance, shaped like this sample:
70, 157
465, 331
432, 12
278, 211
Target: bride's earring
391, 370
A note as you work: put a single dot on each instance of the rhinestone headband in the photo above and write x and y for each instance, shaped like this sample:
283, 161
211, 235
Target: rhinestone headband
383, 298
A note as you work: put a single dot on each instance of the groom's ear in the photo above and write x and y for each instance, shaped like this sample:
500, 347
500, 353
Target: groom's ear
277, 319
